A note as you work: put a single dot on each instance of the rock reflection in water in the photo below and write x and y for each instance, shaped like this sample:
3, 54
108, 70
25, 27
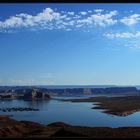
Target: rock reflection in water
38, 104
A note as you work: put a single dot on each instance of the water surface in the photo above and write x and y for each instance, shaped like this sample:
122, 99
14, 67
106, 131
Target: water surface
72, 113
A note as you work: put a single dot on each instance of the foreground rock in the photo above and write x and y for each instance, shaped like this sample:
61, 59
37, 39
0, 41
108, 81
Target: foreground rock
25, 129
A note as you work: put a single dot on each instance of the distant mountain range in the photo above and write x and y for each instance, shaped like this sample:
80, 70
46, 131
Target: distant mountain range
63, 86
71, 90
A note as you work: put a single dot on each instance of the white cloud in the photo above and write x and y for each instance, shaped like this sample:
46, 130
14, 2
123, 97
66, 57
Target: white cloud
104, 19
77, 17
100, 19
98, 10
12, 22
50, 19
67, 18
133, 44
79, 25
123, 35
71, 13
130, 20
90, 11
68, 29
25, 20
127, 39
83, 13
63, 17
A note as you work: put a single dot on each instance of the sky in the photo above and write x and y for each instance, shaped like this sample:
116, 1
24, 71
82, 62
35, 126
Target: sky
69, 44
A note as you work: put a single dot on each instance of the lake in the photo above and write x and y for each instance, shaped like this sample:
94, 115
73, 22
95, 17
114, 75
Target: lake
81, 114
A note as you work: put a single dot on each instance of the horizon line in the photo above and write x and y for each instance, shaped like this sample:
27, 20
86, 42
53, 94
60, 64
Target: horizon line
78, 85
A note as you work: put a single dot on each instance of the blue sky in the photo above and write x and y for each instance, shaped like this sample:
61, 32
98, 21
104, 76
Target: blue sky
69, 44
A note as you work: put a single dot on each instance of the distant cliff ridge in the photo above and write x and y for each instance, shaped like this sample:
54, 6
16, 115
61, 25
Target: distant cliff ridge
43, 93
115, 90
94, 90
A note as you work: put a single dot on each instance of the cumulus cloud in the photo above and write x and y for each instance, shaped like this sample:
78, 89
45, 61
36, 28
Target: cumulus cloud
26, 20
50, 19
77, 16
130, 20
98, 10
83, 13
130, 39
123, 35
89, 11
100, 19
132, 44
71, 13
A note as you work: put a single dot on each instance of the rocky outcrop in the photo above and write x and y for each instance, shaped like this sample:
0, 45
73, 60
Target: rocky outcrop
7, 96
36, 95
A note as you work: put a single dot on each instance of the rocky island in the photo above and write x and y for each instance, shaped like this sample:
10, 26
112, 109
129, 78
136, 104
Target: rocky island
120, 106
32, 94
35, 95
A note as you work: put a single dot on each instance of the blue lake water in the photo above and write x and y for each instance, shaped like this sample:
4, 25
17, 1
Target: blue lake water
68, 112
